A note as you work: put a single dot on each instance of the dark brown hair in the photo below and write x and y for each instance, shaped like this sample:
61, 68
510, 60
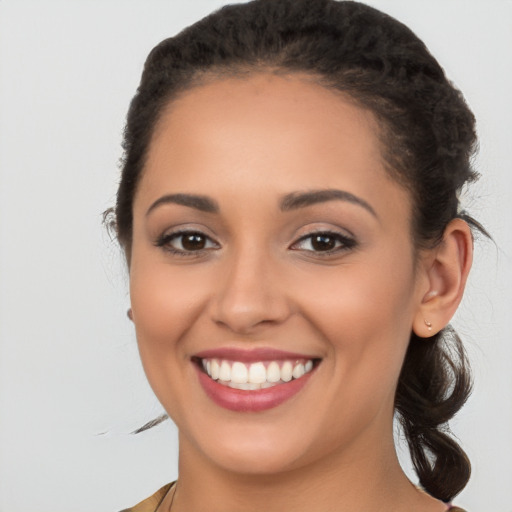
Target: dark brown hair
428, 135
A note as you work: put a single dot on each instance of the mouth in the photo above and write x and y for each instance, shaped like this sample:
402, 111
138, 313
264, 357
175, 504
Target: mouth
256, 375
253, 380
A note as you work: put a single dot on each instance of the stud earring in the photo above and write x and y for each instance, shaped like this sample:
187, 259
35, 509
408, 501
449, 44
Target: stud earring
428, 324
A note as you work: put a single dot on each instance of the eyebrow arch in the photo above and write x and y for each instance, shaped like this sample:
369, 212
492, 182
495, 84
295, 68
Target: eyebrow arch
302, 199
202, 203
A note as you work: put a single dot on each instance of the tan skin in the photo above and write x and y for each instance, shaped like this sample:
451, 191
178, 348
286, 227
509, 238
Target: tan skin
257, 280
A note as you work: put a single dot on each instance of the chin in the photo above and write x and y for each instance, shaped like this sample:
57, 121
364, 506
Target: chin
252, 460
256, 449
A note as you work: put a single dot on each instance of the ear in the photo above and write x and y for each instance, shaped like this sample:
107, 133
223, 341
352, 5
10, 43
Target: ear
446, 269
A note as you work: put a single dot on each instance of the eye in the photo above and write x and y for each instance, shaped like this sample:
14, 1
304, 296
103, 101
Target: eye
324, 242
184, 242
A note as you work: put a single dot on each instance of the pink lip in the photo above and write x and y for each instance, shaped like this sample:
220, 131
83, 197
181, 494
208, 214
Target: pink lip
250, 356
244, 400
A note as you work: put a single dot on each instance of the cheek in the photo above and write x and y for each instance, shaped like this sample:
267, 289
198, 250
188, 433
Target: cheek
365, 317
166, 303
365, 312
362, 297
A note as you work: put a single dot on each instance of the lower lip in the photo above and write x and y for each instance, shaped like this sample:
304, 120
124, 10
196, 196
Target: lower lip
251, 401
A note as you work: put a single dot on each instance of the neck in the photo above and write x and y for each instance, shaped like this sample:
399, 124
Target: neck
358, 479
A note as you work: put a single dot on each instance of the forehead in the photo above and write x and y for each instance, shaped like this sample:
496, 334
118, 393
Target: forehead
266, 132
279, 103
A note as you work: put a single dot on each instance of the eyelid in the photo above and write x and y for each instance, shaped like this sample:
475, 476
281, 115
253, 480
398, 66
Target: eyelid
346, 241
343, 241
164, 241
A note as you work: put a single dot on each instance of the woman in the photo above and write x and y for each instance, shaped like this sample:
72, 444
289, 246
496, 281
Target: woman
289, 212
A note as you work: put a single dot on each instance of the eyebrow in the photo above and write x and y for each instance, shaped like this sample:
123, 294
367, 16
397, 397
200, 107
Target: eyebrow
202, 203
297, 200
292, 201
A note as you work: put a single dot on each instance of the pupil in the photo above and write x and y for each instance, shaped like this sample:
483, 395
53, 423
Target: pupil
193, 242
323, 243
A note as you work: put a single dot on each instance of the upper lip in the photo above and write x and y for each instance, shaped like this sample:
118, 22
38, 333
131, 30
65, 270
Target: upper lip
250, 355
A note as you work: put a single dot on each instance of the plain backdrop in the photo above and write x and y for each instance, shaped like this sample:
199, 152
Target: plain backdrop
71, 385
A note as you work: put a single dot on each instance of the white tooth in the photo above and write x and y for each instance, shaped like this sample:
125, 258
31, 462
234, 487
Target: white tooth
309, 366
286, 371
239, 373
246, 386
225, 371
273, 372
265, 385
298, 371
257, 373
215, 369
209, 368
203, 362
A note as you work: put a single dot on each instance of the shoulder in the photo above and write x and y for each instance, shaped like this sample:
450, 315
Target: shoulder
151, 504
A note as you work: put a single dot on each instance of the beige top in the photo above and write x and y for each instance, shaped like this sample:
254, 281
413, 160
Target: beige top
152, 503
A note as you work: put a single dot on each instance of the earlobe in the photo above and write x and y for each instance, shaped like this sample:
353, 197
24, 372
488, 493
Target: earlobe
447, 271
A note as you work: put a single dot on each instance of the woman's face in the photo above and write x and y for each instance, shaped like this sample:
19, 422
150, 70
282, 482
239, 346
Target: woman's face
269, 242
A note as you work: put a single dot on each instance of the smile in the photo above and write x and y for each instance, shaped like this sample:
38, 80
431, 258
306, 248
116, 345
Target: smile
257, 375
253, 380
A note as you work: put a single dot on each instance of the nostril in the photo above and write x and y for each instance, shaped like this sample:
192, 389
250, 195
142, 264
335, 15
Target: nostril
245, 313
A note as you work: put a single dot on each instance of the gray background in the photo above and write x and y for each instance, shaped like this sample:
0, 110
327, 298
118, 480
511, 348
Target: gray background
71, 385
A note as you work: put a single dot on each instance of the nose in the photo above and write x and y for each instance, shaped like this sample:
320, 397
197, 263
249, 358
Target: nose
251, 294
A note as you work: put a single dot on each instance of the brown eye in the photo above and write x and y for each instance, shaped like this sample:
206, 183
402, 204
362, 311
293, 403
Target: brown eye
186, 242
323, 242
193, 242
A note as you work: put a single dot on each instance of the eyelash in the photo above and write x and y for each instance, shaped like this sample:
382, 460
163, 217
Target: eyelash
166, 239
342, 243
